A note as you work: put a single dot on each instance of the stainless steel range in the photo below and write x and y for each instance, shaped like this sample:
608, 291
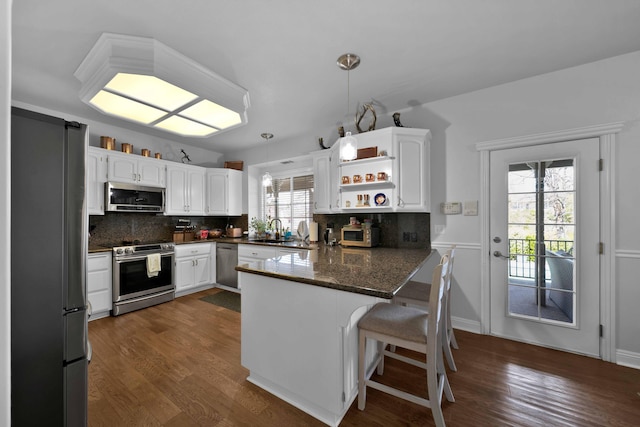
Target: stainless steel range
133, 286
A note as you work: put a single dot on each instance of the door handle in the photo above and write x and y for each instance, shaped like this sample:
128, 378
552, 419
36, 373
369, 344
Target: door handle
498, 254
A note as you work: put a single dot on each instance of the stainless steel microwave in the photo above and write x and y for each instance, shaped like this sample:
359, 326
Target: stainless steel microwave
366, 237
123, 197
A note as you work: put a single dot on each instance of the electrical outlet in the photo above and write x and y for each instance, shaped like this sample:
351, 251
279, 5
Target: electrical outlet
406, 236
414, 237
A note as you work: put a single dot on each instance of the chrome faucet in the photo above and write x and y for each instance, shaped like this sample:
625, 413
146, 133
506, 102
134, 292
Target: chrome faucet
278, 230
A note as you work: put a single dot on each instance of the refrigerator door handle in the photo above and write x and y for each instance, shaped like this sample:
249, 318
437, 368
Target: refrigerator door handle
89, 351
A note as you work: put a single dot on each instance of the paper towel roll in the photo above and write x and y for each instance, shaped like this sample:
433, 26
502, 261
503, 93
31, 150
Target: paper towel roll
313, 231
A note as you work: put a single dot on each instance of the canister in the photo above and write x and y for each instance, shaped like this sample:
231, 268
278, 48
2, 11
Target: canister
108, 143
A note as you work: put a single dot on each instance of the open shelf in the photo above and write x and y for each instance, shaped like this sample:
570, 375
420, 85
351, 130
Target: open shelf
367, 185
364, 161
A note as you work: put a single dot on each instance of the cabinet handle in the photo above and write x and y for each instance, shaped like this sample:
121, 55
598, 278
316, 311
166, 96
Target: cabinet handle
196, 262
139, 177
135, 177
400, 202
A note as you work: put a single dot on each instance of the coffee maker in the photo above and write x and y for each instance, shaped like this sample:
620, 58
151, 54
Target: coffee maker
329, 235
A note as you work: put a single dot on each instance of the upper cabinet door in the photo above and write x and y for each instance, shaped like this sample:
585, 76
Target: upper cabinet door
151, 172
96, 177
185, 190
136, 169
412, 171
224, 192
217, 192
123, 168
323, 185
176, 194
196, 191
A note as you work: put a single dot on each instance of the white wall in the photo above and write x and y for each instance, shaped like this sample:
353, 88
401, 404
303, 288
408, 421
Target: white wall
5, 210
597, 93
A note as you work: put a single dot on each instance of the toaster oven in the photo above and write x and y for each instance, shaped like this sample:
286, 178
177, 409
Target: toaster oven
366, 237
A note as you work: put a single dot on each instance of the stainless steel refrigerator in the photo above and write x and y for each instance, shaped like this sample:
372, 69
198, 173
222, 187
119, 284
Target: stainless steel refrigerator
49, 346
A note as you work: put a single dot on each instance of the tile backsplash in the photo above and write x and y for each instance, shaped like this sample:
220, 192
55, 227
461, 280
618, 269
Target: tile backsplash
114, 228
393, 227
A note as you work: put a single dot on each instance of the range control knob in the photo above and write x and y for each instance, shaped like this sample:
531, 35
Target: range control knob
119, 251
128, 251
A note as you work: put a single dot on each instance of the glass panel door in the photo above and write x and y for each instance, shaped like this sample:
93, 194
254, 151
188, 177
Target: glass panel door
545, 229
541, 233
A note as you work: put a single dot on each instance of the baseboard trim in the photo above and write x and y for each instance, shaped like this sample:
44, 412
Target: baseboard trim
466, 325
628, 358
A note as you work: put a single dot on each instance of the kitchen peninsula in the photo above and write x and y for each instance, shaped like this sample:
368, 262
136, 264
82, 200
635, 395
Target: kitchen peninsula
299, 320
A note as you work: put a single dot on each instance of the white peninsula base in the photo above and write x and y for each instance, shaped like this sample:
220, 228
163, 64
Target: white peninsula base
300, 342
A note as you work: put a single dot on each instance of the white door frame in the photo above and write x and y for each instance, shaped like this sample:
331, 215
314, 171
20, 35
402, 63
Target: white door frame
606, 134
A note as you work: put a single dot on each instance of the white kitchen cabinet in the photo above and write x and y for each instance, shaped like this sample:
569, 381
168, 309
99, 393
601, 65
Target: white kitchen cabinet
185, 194
99, 283
193, 267
224, 192
324, 181
412, 170
136, 169
250, 253
96, 177
372, 195
398, 178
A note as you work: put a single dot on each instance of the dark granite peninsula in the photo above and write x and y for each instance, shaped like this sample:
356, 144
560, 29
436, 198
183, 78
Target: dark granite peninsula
299, 320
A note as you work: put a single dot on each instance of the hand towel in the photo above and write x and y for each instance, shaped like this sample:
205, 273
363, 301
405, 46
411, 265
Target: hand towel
153, 265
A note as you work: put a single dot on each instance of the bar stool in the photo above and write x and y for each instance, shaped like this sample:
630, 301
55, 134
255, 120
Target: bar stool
417, 294
414, 329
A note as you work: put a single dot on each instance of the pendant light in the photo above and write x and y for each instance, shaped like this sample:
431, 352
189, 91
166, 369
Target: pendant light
348, 143
266, 178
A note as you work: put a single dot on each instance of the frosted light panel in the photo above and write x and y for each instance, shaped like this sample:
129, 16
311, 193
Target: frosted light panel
185, 126
150, 90
212, 114
124, 107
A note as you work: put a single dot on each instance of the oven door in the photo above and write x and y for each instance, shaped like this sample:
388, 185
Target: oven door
130, 279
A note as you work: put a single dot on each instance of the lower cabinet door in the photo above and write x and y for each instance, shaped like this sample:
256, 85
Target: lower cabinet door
184, 273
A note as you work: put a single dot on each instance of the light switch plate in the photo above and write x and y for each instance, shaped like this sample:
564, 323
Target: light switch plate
451, 208
471, 208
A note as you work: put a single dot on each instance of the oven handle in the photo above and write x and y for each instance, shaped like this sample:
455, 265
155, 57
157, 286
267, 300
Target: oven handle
138, 258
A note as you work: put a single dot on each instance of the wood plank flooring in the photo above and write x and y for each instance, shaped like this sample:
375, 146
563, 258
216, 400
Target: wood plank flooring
178, 364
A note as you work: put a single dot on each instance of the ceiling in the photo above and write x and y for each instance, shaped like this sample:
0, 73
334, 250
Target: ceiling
284, 52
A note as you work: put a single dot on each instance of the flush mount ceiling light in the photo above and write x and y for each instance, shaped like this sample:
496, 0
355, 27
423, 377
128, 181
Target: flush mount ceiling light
141, 80
348, 143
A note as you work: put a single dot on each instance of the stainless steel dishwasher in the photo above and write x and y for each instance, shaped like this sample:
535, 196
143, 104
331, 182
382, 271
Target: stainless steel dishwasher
226, 261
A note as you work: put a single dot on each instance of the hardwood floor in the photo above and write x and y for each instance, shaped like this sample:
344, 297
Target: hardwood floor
178, 364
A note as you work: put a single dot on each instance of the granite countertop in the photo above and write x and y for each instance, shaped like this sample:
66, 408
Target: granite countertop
378, 272
94, 248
